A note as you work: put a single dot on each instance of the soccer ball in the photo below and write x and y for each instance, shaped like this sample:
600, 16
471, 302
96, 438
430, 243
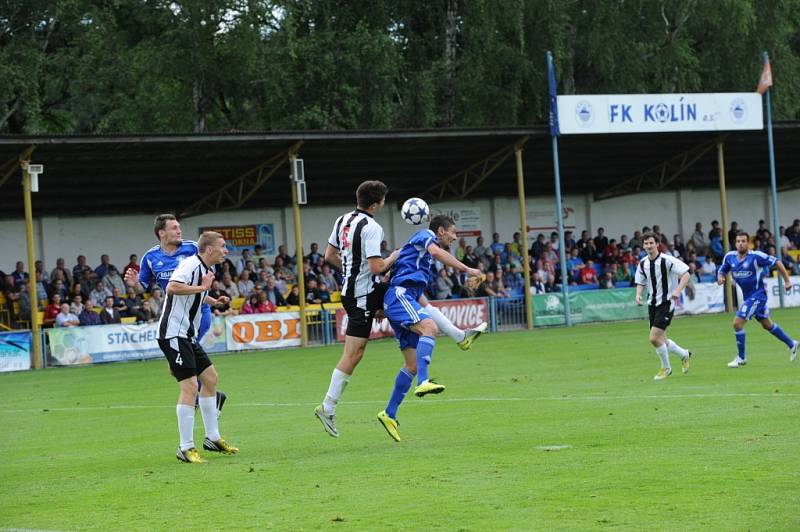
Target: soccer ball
415, 211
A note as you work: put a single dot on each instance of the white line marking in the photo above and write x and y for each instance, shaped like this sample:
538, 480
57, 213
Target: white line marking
438, 400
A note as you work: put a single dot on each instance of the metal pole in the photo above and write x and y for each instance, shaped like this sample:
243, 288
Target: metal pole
523, 223
773, 186
560, 218
298, 246
36, 354
723, 202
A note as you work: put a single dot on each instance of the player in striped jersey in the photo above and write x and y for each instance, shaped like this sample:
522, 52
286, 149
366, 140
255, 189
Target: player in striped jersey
666, 277
748, 269
160, 261
354, 247
177, 331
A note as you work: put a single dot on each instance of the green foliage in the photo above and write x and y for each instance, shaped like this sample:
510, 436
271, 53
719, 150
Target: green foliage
543, 430
81, 66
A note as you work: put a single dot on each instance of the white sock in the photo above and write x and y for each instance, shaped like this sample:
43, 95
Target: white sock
663, 354
185, 426
678, 350
208, 409
339, 380
445, 325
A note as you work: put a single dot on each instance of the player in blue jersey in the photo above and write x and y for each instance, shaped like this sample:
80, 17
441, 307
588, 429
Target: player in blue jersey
160, 261
748, 269
414, 328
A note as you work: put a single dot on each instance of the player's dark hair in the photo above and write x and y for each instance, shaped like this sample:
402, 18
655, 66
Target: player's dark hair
441, 220
648, 236
370, 192
743, 233
161, 223
206, 239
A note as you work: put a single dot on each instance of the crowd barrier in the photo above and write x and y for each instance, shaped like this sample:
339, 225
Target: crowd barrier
111, 343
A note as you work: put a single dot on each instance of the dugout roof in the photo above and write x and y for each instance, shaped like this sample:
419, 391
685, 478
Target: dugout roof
117, 174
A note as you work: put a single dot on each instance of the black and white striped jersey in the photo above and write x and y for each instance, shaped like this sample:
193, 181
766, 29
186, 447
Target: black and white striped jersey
660, 276
181, 315
358, 237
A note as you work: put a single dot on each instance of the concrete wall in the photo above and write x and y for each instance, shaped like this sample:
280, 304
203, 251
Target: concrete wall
674, 211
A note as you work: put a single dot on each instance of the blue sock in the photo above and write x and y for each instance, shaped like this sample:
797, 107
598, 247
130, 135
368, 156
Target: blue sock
778, 333
740, 343
402, 383
424, 352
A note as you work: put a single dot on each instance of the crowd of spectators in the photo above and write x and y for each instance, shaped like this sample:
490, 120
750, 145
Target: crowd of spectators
597, 261
82, 295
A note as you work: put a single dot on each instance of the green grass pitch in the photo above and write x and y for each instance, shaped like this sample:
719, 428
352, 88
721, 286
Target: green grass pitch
542, 430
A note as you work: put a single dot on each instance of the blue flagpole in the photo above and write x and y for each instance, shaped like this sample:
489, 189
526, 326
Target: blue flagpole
776, 228
551, 82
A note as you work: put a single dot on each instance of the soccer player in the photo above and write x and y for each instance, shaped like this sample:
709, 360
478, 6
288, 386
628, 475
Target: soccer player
160, 261
748, 269
412, 324
662, 272
354, 248
177, 330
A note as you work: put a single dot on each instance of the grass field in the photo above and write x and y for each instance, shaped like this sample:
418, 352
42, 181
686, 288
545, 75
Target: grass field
550, 429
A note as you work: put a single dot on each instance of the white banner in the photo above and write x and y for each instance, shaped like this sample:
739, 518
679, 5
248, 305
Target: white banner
468, 219
263, 331
15, 351
659, 113
707, 298
790, 299
102, 343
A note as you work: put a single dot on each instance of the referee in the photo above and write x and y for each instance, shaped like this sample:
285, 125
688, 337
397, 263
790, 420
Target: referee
666, 277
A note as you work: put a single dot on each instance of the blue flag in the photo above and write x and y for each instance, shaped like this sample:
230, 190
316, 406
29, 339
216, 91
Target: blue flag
551, 84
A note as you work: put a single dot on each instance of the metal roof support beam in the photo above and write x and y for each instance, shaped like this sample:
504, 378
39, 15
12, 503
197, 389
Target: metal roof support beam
661, 175
234, 194
463, 182
790, 185
8, 168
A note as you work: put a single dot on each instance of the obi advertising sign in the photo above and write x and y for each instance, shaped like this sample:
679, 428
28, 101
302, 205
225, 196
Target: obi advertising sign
464, 313
263, 331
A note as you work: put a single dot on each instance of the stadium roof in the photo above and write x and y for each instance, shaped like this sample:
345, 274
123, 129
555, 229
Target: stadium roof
148, 173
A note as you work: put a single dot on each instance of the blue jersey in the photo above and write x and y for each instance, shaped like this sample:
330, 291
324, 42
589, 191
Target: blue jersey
157, 265
414, 263
749, 272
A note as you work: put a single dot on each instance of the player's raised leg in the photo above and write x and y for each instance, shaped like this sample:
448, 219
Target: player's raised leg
684, 354
464, 338
775, 330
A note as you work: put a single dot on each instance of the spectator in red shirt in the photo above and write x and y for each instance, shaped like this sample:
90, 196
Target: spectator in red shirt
589, 275
133, 264
52, 310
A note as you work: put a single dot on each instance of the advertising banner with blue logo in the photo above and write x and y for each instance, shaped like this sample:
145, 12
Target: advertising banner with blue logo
111, 343
659, 113
240, 237
790, 298
15, 351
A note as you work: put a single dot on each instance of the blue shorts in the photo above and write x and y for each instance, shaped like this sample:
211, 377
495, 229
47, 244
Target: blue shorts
205, 321
403, 310
754, 307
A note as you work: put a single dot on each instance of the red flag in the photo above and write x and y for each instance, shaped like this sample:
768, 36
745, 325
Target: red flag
765, 81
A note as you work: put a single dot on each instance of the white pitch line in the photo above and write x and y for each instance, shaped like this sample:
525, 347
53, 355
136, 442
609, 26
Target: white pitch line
439, 400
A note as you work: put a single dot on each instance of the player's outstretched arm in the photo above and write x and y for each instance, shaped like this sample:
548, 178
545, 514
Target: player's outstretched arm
448, 260
787, 281
681, 285
182, 289
377, 265
332, 256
